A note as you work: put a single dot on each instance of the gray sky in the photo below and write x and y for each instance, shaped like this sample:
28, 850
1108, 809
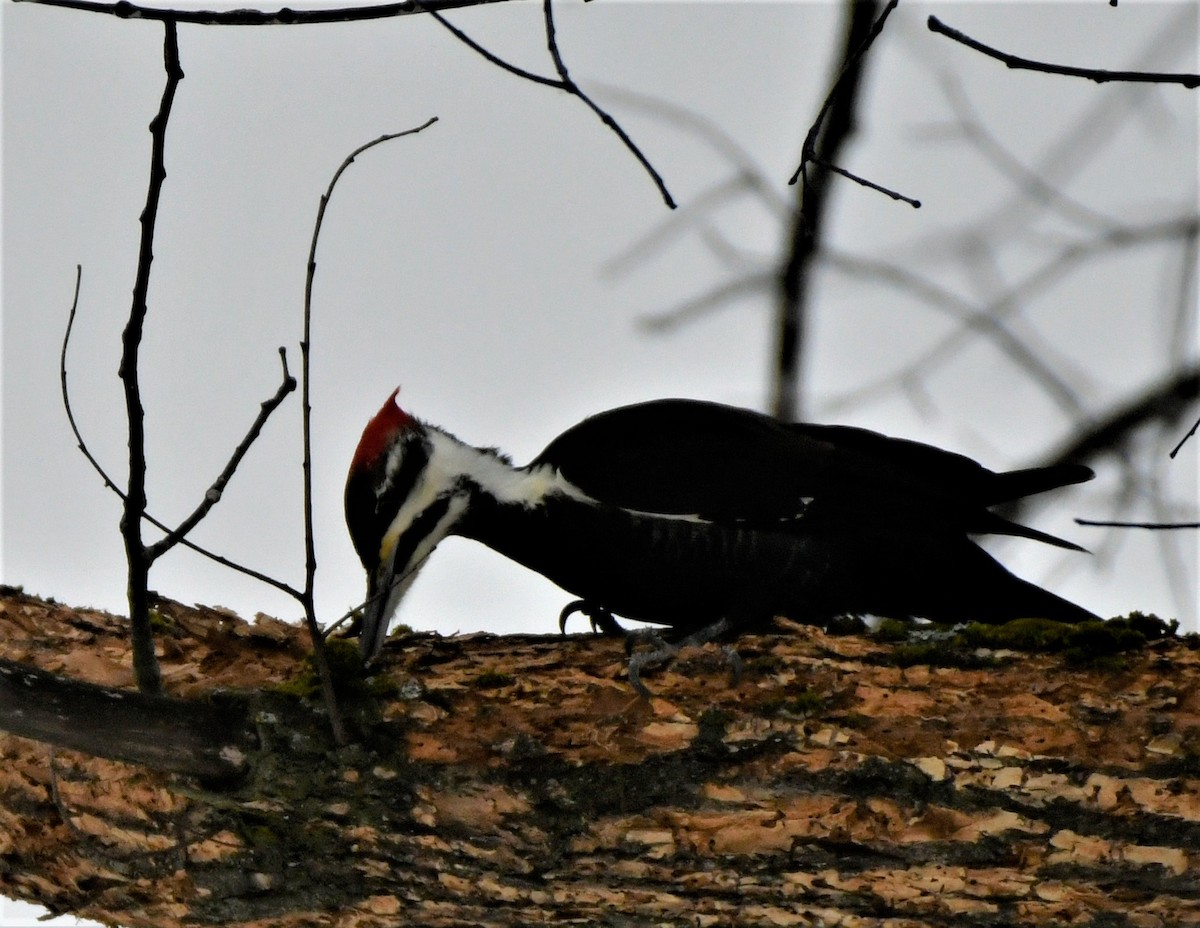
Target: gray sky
477, 264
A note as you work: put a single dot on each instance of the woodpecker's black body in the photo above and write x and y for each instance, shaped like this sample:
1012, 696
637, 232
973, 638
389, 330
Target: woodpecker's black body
685, 513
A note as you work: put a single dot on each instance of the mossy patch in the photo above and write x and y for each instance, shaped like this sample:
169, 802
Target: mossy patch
346, 670
1086, 644
493, 680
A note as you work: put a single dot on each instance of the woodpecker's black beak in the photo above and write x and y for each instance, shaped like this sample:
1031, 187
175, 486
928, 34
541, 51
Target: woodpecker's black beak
376, 613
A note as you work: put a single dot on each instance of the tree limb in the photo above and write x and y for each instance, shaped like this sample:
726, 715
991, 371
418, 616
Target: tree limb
195, 738
284, 16
1098, 75
516, 780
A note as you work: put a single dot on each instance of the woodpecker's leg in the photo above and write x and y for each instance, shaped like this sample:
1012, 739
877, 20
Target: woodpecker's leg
665, 650
602, 620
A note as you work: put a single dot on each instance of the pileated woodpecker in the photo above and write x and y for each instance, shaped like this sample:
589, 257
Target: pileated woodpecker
704, 518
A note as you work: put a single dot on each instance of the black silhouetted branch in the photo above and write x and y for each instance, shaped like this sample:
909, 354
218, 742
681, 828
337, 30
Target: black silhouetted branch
834, 125
110, 484
1099, 75
284, 16
307, 598
213, 495
845, 87
1153, 526
138, 557
1183, 441
565, 83
1165, 402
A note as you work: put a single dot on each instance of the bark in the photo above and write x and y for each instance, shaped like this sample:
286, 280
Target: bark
518, 781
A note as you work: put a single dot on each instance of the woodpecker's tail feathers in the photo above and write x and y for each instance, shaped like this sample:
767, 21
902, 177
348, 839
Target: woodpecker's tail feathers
1021, 599
1017, 484
998, 525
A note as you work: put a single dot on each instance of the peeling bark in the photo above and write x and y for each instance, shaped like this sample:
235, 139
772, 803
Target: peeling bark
518, 781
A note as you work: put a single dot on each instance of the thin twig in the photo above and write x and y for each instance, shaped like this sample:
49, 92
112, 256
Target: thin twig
1183, 441
1154, 526
213, 494
849, 66
571, 87
109, 483
870, 184
66, 397
493, 58
284, 16
834, 125
712, 299
564, 83
1098, 75
307, 599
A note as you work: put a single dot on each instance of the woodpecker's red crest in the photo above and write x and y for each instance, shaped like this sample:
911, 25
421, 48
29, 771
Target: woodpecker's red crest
385, 426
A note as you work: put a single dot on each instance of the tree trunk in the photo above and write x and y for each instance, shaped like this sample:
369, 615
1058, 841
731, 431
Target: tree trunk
519, 781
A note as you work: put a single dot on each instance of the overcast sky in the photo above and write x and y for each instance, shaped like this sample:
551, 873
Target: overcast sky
499, 266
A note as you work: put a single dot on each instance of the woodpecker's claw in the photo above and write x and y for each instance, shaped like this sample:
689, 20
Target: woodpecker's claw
665, 651
601, 619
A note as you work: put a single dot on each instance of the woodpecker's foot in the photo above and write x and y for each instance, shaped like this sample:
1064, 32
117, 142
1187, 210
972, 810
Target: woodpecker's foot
665, 651
601, 619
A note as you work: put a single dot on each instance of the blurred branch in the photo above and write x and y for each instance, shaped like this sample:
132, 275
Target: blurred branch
1166, 401
707, 302
985, 318
834, 125
284, 16
1098, 75
565, 83
1024, 179
988, 321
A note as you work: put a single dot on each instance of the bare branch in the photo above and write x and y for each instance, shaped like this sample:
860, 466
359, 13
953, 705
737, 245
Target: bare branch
851, 62
213, 495
834, 125
111, 484
1098, 75
1155, 526
566, 84
197, 738
1162, 402
1183, 441
283, 16
711, 300
144, 662
496, 59
985, 318
863, 182
66, 396
310, 555
571, 87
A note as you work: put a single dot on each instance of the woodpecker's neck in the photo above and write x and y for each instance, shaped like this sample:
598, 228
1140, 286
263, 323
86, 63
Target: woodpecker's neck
458, 468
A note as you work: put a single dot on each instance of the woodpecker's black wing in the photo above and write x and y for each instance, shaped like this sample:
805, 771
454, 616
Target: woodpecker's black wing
686, 457
731, 465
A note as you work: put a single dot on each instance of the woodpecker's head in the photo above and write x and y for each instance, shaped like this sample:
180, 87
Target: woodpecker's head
400, 502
